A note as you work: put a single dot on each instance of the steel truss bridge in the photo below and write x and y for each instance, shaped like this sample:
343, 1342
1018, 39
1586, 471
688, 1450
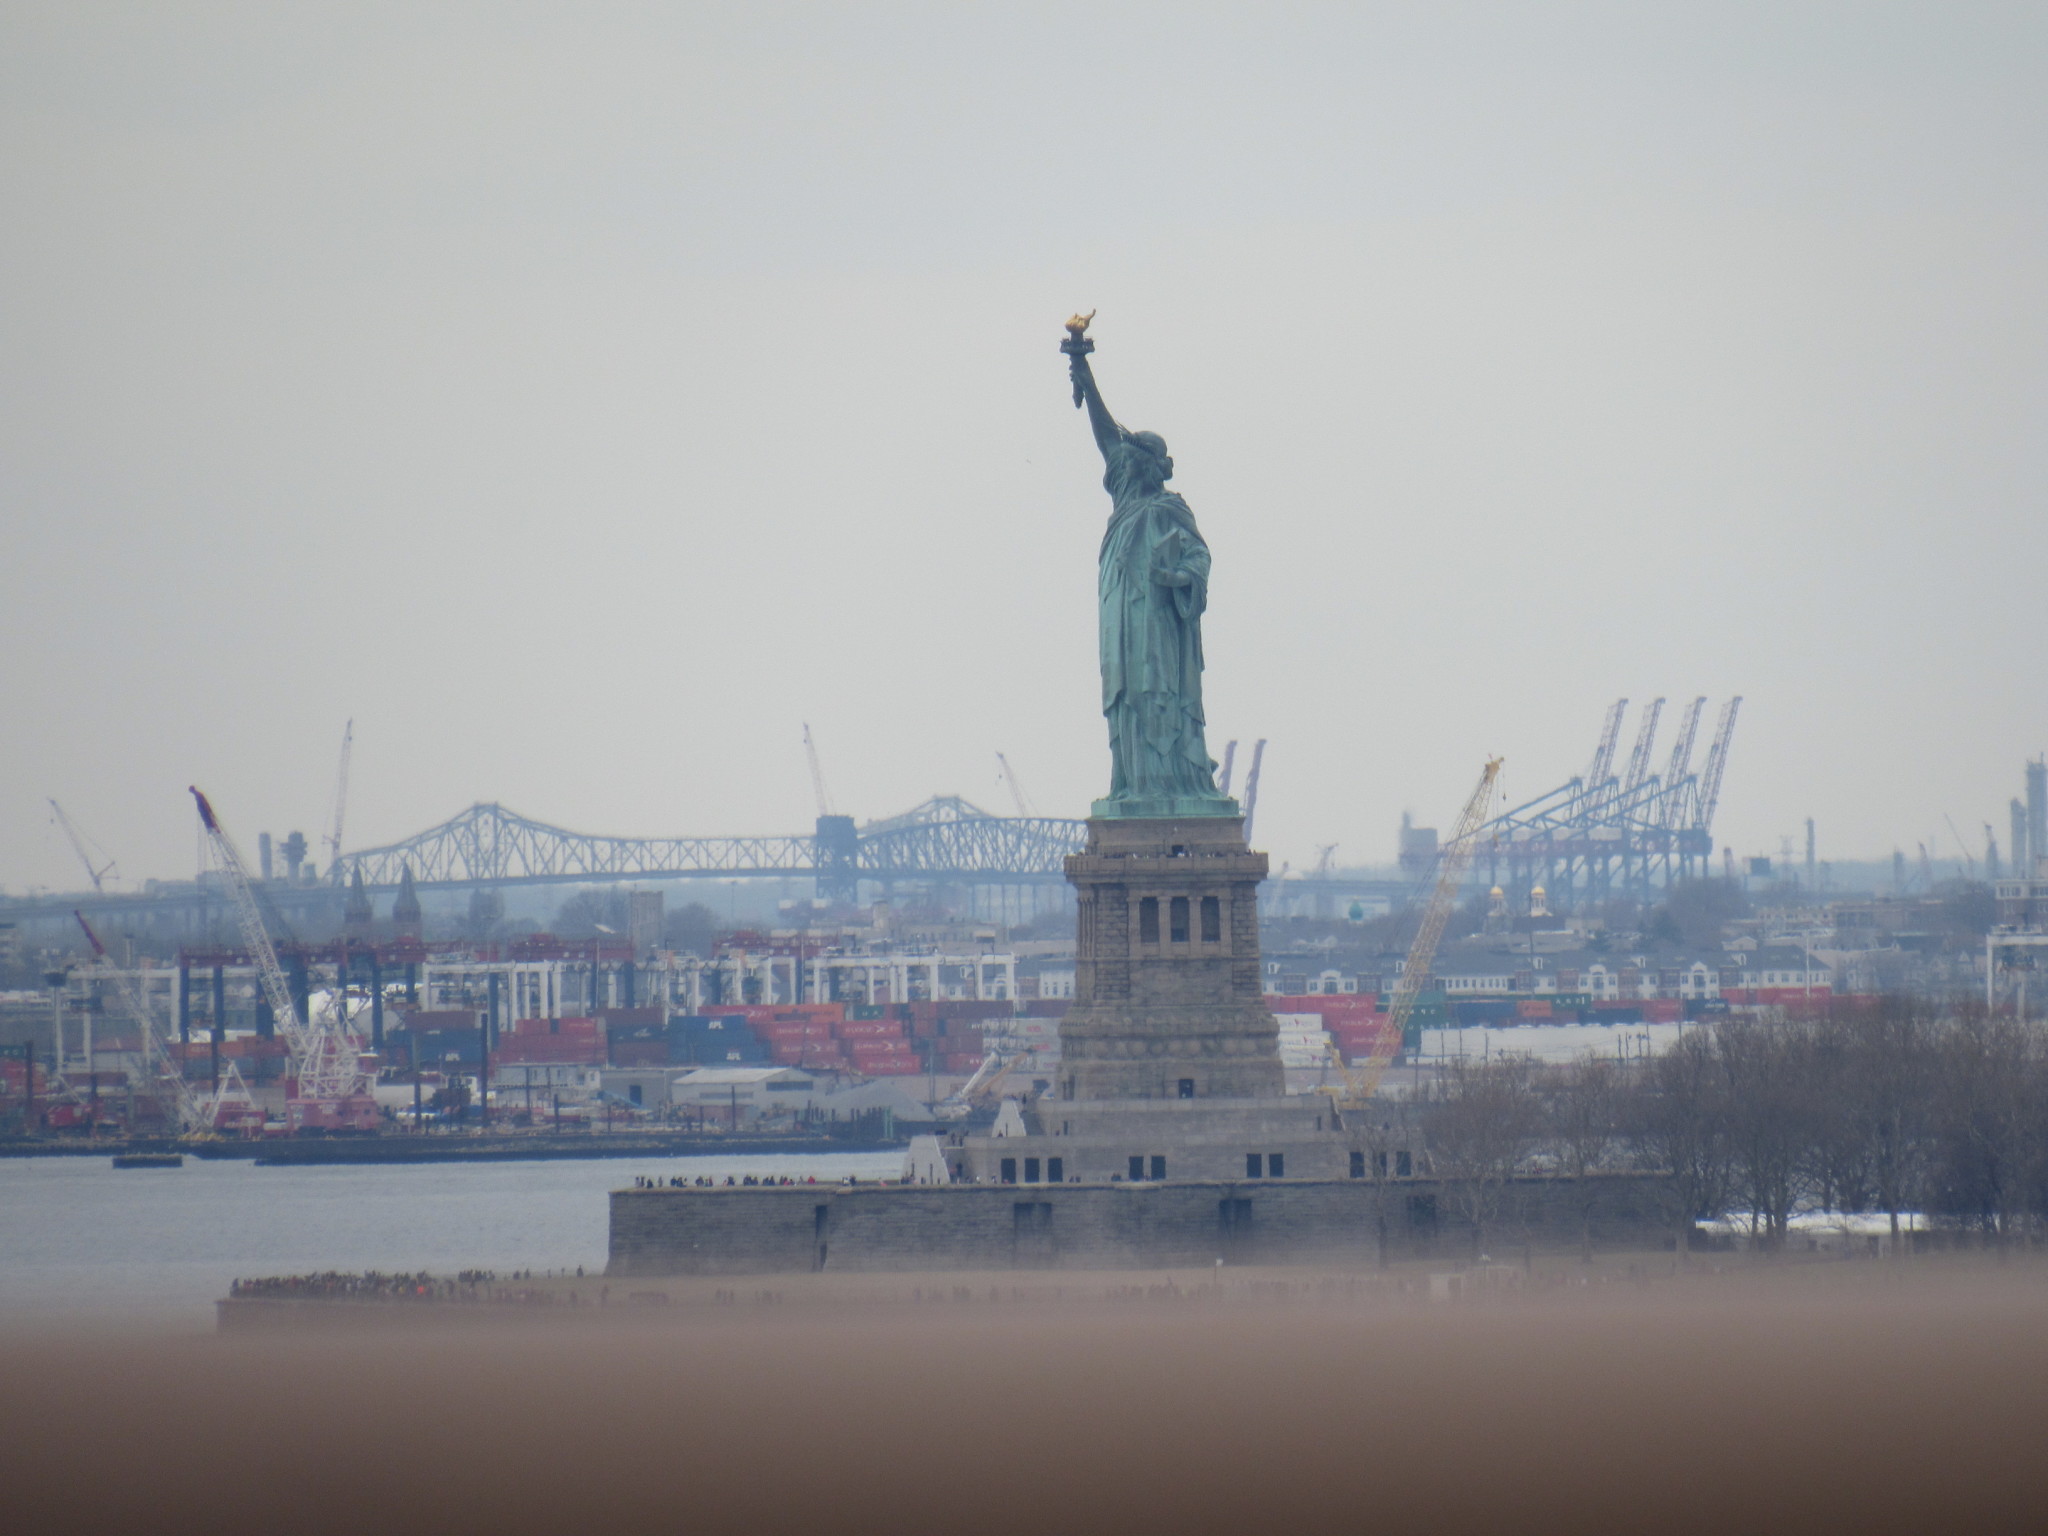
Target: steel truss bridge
1002, 865
1617, 830
946, 840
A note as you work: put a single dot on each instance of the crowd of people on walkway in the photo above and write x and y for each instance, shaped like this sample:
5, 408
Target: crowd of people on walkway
371, 1285
701, 1182
469, 1285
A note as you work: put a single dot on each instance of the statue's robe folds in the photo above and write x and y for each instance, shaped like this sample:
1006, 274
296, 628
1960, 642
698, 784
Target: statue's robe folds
1152, 585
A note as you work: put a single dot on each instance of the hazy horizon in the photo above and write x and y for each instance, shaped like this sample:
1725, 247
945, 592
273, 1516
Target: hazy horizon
581, 400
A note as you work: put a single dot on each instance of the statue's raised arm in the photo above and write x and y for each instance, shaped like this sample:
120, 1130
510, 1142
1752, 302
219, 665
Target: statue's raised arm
1077, 346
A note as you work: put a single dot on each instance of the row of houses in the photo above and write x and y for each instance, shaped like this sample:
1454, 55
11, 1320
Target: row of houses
1735, 975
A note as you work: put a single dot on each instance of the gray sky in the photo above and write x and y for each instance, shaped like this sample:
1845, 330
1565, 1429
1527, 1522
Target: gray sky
581, 397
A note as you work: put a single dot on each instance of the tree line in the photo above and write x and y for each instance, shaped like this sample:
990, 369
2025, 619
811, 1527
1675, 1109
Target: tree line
1890, 1106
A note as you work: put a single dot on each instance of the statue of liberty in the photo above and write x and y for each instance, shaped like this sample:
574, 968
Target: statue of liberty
1151, 588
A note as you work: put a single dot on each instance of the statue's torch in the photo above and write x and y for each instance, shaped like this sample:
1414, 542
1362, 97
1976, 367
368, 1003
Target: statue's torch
1077, 346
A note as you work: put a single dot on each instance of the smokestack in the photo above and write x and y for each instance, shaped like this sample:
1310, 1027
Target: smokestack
2037, 813
2022, 855
263, 853
1812, 871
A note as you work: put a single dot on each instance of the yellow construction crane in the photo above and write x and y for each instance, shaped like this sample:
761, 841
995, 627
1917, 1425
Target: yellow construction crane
1363, 1080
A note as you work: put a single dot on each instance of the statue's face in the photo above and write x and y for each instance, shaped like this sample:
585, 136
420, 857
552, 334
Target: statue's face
1157, 446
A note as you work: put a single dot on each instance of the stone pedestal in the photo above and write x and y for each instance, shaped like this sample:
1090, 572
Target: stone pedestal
1167, 1000
1169, 1057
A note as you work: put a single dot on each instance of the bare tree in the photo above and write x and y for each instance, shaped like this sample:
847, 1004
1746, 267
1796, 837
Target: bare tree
1481, 1130
692, 928
1838, 1157
1679, 1121
1892, 1084
1381, 1136
1768, 1067
1989, 1132
1582, 1112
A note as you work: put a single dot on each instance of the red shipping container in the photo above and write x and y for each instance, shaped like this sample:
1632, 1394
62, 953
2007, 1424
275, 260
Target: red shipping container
1343, 1007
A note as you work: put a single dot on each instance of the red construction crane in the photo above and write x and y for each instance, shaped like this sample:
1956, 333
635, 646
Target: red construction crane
330, 1089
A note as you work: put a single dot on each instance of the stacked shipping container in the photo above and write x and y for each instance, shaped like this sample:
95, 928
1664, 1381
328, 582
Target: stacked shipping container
875, 1041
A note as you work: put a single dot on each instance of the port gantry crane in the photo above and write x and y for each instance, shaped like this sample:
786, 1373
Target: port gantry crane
1360, 1082
326, 1056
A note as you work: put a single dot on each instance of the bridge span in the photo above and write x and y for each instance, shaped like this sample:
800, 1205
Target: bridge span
946, 841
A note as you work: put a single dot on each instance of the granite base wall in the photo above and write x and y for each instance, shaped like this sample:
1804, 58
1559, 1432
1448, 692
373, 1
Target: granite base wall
880, 1228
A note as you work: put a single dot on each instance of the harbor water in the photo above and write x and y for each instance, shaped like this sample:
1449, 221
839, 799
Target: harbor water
85, 1244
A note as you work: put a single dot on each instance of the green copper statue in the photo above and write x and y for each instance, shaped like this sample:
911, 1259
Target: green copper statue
1151, 588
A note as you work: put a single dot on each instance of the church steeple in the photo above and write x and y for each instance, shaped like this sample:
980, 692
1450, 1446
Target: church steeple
405, 911
357, 916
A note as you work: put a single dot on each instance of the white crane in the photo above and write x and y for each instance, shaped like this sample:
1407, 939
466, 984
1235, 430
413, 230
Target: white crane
1017, 795
164, 1075
326, 1056
348, 738
83, 847
817, 773
1969, 858
1251, 786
